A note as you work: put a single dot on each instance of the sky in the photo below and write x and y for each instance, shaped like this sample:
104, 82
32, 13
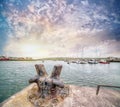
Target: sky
60, 28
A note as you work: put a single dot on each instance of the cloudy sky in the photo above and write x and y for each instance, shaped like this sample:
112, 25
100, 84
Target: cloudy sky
52, 28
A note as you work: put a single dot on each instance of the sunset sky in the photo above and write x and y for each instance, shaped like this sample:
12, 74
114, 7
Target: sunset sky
60, 28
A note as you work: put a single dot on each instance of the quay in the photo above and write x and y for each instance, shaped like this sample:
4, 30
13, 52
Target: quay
78, 97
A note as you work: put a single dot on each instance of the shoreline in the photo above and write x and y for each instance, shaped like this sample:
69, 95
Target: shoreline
115, 61
109, 59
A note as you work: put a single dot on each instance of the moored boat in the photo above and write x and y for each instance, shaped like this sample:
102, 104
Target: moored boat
92, 61
104, 62
83, 62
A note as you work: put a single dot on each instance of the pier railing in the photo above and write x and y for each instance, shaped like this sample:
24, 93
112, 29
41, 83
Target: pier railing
98, 87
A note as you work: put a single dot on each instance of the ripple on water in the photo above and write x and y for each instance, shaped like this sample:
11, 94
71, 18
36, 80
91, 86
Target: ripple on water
14, 75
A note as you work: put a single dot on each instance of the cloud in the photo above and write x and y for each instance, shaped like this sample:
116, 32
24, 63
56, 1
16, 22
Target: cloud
58, 28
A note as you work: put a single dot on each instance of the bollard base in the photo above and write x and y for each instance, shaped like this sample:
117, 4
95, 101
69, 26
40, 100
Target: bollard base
48, 101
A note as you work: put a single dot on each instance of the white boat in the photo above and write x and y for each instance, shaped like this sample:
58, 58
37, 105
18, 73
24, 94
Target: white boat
83, 62
92, 61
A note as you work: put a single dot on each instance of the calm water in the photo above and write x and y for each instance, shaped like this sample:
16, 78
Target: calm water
14, 75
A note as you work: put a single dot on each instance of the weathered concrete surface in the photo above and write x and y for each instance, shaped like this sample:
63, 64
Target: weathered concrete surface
86, 97
19, 100
79, 97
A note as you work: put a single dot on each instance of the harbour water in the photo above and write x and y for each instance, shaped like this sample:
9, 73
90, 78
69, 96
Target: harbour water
14, 75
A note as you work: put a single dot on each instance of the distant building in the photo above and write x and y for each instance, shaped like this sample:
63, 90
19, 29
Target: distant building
114, 59
28, 58
3, 58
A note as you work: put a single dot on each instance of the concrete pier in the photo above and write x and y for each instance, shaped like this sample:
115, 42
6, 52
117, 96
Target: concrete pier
78, 97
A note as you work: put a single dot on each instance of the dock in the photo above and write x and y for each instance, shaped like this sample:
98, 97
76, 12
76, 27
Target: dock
78, 97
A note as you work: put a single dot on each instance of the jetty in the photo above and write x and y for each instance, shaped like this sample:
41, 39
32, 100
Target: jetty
50, 91
78, 97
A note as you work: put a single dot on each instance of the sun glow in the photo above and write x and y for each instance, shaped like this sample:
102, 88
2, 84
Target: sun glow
32, 50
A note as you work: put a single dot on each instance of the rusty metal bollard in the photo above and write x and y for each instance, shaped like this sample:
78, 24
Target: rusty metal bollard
47, 85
